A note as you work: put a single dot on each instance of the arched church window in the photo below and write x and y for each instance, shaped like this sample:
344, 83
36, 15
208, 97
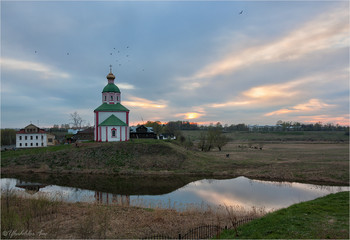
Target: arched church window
105, 98
111, 98
113, 133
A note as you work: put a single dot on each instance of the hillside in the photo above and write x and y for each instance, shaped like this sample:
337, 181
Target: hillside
314, 162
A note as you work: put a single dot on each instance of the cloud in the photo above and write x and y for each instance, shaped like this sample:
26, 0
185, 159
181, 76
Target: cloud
125, 86
190, 115
327, 31
19, 65
342, 120
285, 92
311, 106
144, 103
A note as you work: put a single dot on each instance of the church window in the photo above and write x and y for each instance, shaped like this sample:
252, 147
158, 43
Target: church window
20, 144
111, 98
113, 133
117, 98
37, 144
42, 144
25, 137
20, 137
105, 98
26, 144
37, 137
31, 137
31, 144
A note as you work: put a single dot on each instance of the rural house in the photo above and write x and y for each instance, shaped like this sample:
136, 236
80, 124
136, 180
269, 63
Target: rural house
142, 132
31, 136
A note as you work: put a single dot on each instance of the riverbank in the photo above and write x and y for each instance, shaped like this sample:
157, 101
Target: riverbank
309, 162
322, 218
326, 217
41, 218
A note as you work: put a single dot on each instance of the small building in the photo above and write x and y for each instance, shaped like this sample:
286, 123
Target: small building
32, 136
51, 139
142, 132
85, 135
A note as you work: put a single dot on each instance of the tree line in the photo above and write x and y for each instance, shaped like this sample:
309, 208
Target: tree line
173, 126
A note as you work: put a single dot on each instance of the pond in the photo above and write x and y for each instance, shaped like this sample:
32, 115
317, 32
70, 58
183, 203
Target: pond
240, 191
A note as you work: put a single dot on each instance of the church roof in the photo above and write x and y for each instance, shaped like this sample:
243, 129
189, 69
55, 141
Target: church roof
111, 107
111, 87
112, 121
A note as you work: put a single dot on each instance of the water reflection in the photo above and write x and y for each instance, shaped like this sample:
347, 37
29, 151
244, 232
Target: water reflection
239, 191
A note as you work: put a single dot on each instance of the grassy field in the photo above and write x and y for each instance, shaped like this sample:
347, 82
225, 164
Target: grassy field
33, 151
323, 218
313, 157
304, 136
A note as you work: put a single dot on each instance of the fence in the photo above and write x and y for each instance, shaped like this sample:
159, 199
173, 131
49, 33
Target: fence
201, 232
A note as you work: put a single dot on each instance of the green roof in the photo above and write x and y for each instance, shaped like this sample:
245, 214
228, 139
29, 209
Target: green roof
111, 107
112, 121
111, 87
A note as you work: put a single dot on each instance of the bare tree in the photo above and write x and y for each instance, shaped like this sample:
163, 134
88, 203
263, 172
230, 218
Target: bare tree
76, 120
202, 141
221, 140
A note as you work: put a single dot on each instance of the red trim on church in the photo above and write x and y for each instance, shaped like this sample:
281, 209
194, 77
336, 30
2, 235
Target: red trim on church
96, 126
100, 134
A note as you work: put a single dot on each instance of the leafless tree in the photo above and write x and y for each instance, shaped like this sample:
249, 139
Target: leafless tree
76, 120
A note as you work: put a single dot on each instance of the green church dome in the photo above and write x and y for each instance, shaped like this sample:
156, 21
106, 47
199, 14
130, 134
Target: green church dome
111, 87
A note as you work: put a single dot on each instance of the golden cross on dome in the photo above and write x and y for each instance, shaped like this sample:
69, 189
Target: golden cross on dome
110, 68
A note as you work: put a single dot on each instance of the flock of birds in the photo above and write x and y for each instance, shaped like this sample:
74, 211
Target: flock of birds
122, 56
118, 53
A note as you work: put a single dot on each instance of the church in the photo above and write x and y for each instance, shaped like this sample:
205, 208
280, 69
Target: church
111, 117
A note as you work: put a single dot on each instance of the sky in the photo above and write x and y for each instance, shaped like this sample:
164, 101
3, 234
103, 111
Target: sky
252, 62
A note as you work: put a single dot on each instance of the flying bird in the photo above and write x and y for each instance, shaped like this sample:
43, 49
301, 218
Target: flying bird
241, 12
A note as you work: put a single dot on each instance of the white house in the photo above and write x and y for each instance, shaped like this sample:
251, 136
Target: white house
31, 136
111, 117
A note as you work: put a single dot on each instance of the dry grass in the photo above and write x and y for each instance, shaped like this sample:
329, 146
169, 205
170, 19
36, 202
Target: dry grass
40, 218
305, 162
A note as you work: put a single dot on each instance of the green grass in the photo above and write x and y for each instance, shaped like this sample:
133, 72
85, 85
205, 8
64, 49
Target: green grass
323, 218
33, 151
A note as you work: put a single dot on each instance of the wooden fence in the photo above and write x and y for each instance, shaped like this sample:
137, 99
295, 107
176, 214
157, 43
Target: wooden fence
201, 232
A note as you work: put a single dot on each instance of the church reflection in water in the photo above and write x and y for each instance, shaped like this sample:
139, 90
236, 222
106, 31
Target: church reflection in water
114, 199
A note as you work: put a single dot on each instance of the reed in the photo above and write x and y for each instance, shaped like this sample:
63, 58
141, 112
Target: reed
46, 218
